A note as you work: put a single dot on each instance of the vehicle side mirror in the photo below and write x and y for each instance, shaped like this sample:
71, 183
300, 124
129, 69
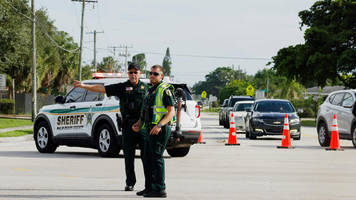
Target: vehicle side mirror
59, 99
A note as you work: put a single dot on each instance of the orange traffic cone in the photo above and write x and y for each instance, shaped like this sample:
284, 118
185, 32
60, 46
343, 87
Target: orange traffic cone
232, 131
286, 144
200, 140
334, 143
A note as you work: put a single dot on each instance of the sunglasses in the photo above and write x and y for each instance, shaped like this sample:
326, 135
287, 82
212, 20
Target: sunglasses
133, 72
154, 73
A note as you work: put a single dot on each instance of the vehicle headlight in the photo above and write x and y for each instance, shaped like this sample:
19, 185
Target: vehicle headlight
259, 120
294, 121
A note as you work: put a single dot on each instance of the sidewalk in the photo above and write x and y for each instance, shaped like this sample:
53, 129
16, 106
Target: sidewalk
18, 138
15, 116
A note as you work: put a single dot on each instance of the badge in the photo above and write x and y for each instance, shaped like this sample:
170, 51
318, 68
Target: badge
142, 87
169, 93
129, 88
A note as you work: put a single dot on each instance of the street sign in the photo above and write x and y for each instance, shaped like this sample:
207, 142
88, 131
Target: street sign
203, 94
2, 81
250, 90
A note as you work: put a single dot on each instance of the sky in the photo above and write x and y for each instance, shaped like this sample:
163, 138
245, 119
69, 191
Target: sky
236, 33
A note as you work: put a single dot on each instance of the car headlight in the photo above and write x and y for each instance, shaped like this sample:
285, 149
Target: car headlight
294, 121
259, 120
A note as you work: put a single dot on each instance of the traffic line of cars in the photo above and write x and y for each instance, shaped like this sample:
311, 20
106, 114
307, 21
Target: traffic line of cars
256, 118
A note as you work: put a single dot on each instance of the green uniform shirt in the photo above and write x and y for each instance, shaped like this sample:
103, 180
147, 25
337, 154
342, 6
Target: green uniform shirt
147, 112
131, 97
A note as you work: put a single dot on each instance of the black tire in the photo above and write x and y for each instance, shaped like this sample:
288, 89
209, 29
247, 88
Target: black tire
247, 134
252, 136
353, 135
106, 141
43, 138
323, 135
178, 152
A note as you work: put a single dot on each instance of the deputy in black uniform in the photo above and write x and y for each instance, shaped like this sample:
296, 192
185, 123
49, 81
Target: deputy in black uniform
157, 114
131, 94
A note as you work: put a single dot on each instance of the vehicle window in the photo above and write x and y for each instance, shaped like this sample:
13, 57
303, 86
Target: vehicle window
75, 95
234, 100
274, 106
94, 96
243, 106
338, 99
331, 98
187, 94
348, 100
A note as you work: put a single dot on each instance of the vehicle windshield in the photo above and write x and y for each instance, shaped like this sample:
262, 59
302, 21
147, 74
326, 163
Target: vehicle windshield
274, 106
243, 106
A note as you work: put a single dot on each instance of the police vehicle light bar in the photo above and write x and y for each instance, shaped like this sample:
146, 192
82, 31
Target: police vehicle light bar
106, 75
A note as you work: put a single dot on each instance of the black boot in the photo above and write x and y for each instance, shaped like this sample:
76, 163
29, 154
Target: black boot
161, 194
143, 192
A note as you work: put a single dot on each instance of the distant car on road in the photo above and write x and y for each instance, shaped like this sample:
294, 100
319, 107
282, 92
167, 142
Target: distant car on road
230, 104
221, 112
342, 104
240, 110
267, 118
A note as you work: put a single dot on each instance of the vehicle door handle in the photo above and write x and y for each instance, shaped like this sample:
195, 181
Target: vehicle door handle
99, 104
72, 107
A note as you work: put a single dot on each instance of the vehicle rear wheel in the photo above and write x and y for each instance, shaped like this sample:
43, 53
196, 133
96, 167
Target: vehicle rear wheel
43, 138
106, 141
354, 135
323, 136
178, 152
252, 136
247, 134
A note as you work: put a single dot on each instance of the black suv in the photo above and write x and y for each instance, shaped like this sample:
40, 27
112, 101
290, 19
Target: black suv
267, 118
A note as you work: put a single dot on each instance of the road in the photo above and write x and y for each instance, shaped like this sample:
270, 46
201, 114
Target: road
254, 170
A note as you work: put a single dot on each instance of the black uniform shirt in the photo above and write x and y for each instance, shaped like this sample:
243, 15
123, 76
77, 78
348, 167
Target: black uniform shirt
131, 97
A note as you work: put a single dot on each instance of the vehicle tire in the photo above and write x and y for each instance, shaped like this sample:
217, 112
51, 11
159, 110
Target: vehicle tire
252, 136
297, 137
247, 134
43, 138
178, 152
323, 136
353, 135
106, 141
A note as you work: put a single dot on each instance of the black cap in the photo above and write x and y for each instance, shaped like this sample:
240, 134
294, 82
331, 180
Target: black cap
133, 66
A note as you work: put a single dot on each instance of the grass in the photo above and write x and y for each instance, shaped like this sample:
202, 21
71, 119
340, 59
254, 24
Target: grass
9, 123
310, 123
16, 133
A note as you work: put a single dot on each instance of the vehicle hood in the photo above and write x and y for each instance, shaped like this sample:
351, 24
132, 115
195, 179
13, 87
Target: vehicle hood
274, 115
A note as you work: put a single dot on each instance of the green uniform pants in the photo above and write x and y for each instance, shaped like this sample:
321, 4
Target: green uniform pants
156, 146
130, 139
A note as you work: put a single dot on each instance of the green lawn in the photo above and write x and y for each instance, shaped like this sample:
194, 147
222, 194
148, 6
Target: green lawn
9, 123
16, 133
308, 123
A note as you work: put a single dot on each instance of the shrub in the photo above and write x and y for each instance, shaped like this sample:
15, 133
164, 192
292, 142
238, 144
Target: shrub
7, 106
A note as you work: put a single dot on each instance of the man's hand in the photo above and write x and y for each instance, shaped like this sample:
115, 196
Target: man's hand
155, 130
77, 83
136, 126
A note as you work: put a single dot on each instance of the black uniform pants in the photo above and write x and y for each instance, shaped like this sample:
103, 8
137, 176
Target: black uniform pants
156, 146
130, 140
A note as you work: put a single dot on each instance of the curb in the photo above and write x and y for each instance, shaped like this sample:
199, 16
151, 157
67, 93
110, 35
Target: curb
16, 139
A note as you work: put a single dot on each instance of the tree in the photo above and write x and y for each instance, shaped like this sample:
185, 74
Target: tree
107, 65
167, 62
329, 51
140, 59
235, 87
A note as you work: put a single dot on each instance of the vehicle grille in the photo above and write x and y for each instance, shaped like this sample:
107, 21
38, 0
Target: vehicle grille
272, 122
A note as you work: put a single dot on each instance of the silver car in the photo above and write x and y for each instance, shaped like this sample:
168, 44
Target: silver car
342, 104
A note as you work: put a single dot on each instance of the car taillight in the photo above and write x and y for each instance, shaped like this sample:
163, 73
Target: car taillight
197, 111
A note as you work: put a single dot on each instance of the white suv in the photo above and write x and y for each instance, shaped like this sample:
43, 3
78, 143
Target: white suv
342, 104
88, 119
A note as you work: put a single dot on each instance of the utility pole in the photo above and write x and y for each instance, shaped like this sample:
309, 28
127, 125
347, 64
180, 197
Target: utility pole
125, 54
95, 46
34, 74
81, 37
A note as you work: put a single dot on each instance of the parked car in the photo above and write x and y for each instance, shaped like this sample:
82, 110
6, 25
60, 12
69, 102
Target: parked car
240, 110
230, 104
89, 119
342, 104
221, 112
267, 118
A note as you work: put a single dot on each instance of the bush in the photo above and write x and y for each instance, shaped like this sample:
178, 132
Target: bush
7, 106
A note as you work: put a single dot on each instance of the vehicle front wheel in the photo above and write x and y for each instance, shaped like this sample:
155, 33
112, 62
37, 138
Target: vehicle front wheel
43, 138
323, 136
178, 152
354, 135
106, 141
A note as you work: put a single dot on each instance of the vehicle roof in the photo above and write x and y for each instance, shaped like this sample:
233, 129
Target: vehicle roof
350, 90
261, 100
242, 97
241, 102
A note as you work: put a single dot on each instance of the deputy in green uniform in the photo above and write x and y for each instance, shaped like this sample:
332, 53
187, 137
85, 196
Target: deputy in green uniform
158, 112
131, 94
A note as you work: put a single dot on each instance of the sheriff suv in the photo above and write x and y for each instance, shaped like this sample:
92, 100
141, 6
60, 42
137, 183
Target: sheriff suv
342, 104
88, 119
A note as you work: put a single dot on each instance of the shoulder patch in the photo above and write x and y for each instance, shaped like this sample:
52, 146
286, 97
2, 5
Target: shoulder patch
168, 92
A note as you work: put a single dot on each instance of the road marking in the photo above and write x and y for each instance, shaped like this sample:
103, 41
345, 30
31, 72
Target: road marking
22, 169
